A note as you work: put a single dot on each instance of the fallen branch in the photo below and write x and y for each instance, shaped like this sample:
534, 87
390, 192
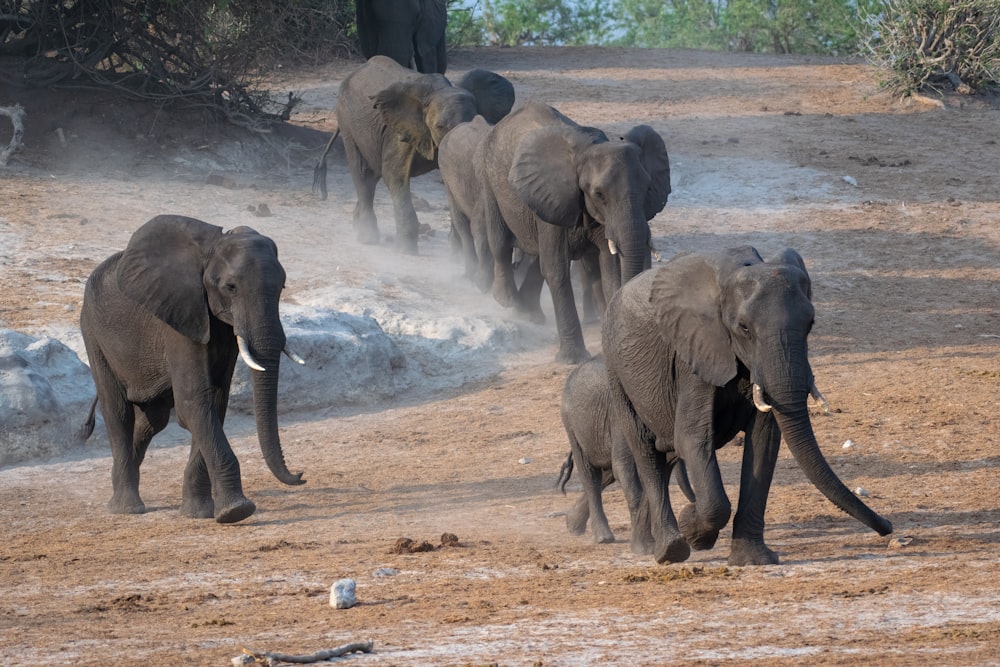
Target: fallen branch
268, 658
16, 115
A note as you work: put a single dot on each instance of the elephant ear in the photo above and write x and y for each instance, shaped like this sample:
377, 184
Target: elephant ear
656, 162
792, 258
686, 296
494, 94
543, 173
402, 106
162, 267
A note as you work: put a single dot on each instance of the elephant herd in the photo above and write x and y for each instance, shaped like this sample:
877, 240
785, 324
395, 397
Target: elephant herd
694, 352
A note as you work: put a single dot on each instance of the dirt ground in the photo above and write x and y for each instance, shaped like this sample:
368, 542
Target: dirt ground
895, 206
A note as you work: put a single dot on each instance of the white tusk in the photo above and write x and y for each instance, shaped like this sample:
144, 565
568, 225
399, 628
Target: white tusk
247, 357
819, 398
612, 247
758, 399
294, 357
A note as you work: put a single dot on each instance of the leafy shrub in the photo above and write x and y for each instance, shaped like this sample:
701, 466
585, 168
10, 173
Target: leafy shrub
934, 44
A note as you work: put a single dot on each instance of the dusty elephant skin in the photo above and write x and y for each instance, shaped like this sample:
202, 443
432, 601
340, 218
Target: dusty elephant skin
904, 269
163, 323
392, 121
701, 349
545, 175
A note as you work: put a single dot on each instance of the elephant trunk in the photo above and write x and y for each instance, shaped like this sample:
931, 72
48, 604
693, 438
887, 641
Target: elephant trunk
786, 389
265, 401
634, 246
798, 434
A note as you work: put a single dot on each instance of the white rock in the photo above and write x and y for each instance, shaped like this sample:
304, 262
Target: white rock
524, 460
850, 181
848, 444
342, 594
861, 491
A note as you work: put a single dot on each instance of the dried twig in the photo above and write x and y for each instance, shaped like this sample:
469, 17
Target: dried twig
268, 658
16, 115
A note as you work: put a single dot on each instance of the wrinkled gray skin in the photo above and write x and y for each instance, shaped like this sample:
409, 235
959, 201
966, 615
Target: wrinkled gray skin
543, 175
411, 32
685, 345
392, 121
598, 429
160, 322
464, 188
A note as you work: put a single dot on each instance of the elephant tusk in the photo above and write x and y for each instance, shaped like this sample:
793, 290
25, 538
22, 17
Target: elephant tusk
819, 398
612, 247
294, 357
758, 399
247, 357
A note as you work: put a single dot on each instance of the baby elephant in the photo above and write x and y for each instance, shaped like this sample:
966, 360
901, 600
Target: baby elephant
597, 422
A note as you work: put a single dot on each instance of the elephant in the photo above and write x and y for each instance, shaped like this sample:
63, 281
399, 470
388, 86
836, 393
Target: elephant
411, 32
704, 347
464, 187
596, 427
163, 322
392, 121
543, 176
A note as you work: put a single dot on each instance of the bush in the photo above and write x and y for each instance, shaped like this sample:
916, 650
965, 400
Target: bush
935, 44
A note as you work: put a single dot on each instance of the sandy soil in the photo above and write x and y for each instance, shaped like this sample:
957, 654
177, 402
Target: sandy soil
894, 207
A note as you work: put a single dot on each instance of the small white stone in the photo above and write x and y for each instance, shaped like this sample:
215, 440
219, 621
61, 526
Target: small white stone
848, 444
850, 181
861, 491
524, 460
342, 594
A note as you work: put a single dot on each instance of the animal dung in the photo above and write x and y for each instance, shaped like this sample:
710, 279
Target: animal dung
342, 594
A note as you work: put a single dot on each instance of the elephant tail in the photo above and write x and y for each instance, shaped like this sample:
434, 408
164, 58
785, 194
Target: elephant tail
565, 472
319, 171
87, 428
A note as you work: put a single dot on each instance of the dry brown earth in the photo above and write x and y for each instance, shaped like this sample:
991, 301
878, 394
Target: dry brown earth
906, 273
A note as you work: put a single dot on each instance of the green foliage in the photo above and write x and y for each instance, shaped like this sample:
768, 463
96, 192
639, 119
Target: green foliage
778, 26
930, 44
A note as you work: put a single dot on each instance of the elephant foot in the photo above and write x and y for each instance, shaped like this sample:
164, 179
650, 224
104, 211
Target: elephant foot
575, 354
406, 246
700, 540
675, 550
503, 296
641, 545
603, 535
237, 511
575, 523
200, 508
751, 552
533, 315
126, 503
367, 235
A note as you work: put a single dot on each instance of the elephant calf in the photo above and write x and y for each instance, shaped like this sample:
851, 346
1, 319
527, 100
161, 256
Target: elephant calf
597, 422
163, 322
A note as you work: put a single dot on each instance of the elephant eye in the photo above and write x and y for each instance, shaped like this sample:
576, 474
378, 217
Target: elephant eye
744, 329
230, 288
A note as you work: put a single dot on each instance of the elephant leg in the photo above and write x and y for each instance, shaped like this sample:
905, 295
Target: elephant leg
529, 295
501, 244
397, 179
591, 478
462, 240
365, 179
624, 470
554, 261
119, 418
578, 515
196, 494
212, 477
669, 546
760, 454
149, 421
